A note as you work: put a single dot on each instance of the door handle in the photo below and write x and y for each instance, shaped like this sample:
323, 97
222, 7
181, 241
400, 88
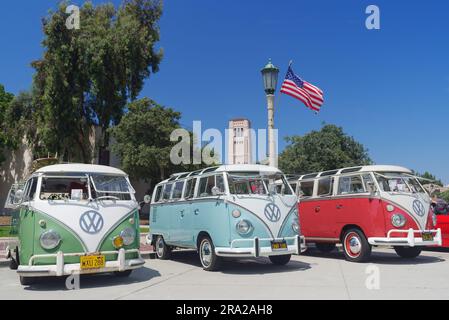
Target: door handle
339, 206
317, 209
196, 211
182, 213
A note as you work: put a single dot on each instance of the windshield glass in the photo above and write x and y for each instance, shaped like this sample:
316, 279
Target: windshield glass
64, 188
111, 186
398, 182
257, 183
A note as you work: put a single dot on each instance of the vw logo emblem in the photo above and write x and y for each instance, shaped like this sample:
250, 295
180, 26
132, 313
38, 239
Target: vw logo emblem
91, 222
272, 212
418, 207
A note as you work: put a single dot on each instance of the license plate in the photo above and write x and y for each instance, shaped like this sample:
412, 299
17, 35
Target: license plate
427, 236
92, 262
278, 245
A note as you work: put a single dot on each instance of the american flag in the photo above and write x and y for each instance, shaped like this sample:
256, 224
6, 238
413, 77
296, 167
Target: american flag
299, 89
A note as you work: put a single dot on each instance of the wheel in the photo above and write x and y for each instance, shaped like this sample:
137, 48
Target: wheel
407, 252
13, 264
123, 274
355, 246
209, 260
163, 251
26, 281
280, 260
325, 247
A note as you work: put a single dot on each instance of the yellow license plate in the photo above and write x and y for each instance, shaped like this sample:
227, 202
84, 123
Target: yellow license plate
92, 262
427, 236
278, 245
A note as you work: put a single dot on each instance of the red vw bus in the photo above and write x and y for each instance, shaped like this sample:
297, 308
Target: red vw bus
362, 207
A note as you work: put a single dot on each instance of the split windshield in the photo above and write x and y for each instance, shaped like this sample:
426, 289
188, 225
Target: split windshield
398, 182
248, 183
82, 187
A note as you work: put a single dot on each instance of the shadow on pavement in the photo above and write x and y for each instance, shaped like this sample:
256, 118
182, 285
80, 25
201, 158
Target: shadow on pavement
387, 258
260, 265
89, 281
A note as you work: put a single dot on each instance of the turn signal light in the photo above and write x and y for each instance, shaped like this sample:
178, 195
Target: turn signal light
117, 242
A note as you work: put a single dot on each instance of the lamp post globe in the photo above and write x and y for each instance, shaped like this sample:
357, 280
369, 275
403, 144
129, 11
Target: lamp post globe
270, 78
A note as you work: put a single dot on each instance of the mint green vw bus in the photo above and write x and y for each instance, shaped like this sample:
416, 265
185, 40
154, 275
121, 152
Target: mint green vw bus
75, 219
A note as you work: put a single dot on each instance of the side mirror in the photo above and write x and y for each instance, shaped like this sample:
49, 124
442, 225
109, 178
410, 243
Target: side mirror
147, 198
216, 191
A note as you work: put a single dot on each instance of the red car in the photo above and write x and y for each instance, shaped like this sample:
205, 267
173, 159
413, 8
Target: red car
441, 209
366, 207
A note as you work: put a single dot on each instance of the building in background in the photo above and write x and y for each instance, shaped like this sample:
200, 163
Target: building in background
239, 142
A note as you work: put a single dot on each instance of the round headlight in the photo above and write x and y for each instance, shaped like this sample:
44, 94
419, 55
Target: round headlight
434, 219
398, 220
50, 239
236, 213
295, 226
128, 235
244, 227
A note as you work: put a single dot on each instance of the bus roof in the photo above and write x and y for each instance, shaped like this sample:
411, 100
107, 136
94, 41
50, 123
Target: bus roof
80, 168
225, 168
377, 168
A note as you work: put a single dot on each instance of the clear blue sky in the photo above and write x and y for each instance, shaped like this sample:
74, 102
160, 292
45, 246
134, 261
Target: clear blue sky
387, 88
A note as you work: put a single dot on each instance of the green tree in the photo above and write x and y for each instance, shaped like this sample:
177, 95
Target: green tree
326, 149
142, 139
6, 139
444, 196
87, 76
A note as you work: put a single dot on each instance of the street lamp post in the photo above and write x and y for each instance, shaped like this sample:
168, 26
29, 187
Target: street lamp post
270, 78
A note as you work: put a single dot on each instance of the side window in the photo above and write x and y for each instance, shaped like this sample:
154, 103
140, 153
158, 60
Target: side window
206, 185
157, 194
305, 188
167, 191
190, 188
177, 191
219, 182
370, 186
325, 186
32, 190
350, 185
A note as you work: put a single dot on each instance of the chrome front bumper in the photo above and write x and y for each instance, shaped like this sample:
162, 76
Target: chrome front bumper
256, 250
61, 269
409, 240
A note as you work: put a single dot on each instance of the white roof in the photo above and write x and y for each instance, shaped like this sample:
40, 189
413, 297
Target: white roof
231, 167
247, 167
80, 168
377, 168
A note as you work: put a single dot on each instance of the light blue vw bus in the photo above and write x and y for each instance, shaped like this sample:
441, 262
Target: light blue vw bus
226, 211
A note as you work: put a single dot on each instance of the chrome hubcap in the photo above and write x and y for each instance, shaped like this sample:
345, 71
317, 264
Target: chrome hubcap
206, 253
354, 245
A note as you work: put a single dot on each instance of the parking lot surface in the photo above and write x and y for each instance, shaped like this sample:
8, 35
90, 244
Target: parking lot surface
312, 275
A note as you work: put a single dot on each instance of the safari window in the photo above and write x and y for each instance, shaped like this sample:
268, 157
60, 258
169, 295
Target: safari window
350, 185
219, 183
55, 188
